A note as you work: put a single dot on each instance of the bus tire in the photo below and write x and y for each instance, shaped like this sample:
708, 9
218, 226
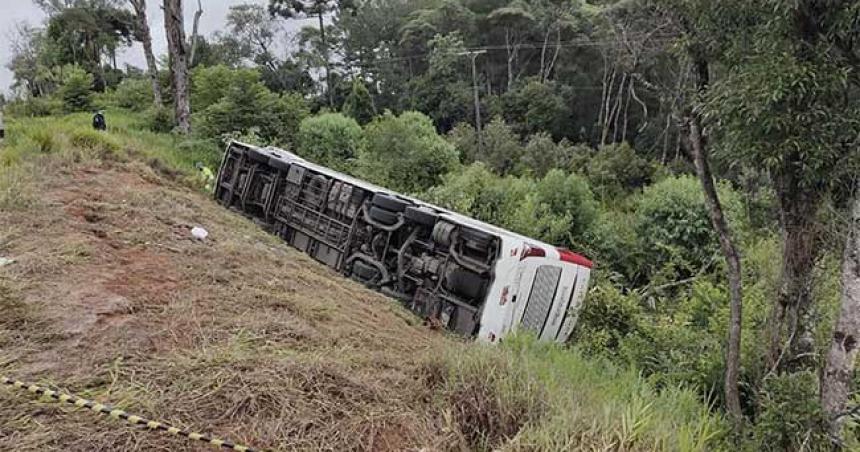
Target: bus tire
383, 216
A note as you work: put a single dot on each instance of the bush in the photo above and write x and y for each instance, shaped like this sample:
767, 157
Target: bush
134, 94
35, 106
330, 139
554, 209
542, 154
404, 153
159, 119
246, 103
536, 106
76, 89
615, 170
790, 416
359, 103
674, 229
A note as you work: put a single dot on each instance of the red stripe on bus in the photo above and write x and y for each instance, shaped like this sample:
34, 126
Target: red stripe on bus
570, 256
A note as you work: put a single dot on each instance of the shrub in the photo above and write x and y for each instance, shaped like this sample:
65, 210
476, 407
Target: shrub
134, 94
35, 106
330, 139
159, 119
536, 106
542, 154
44, 140
790, 416
674, 229
76, 89
359, 103
246, 103
404, 153
501, 148
615, 170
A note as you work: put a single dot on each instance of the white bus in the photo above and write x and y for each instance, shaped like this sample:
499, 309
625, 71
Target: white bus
468, 276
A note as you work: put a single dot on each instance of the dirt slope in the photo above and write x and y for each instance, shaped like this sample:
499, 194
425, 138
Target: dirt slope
238, 335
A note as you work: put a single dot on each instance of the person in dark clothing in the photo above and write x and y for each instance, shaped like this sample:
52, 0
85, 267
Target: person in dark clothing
99, 122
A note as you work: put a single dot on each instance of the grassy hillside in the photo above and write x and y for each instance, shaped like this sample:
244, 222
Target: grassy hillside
243, 337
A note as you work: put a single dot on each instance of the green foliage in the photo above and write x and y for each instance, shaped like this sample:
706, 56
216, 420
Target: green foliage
359, 104
553, 209
615, 170
563, 208
330, 139
555, 399
501, 150
134, 94
76, 89
159, 119
542, 154
35, 106
533, 107
673, 226
605, 320
790, 416
405, 153
209, 84
93, 140
236, 101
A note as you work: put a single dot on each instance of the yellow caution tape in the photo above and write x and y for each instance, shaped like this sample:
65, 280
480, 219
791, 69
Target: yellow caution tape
120, 414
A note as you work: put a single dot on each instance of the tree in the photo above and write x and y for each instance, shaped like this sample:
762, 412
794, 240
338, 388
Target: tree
837, 377
515, 19
290, 9
782, 108
27, 46
175, 28
502, 149
404, 153
330, 139
85, 33
359, 103
541, 154
252, 27
76, 89
237, 101
195, 35
144, 36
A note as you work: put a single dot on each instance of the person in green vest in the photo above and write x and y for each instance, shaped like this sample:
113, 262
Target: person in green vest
205, 176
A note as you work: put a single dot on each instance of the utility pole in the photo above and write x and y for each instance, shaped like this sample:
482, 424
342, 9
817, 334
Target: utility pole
474, 55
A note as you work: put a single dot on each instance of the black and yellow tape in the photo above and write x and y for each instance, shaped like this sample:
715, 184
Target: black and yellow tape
120, 414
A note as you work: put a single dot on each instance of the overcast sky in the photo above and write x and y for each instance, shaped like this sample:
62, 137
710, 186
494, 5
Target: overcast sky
214, 12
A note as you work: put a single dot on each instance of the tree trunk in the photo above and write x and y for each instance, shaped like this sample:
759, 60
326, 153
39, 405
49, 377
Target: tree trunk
791, 344
836, 380
733, 268
194, 33
325, 58
145, 37
175, 28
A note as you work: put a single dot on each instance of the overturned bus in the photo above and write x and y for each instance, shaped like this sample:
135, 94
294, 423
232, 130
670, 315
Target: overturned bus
473, 278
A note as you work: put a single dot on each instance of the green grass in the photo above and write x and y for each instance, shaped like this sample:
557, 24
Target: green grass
127, 136
525, 395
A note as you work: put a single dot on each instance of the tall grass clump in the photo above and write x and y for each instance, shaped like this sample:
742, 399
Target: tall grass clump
525, 395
